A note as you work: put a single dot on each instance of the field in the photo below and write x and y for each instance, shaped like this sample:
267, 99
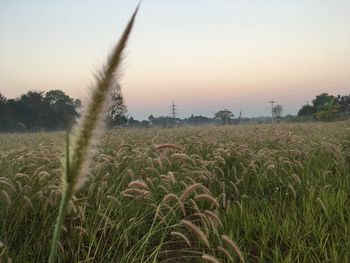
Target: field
222, 194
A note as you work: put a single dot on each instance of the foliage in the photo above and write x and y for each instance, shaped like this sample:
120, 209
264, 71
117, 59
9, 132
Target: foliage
35, 111
116, 113
163, 121
277, 111
327, 107
224, 116
321, 100
307, 110
198, 120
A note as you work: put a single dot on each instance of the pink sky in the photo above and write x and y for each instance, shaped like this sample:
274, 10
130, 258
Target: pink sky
204, 55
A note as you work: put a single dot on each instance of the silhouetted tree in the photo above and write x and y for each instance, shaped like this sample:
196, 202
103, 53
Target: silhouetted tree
307, 110
198, 120
151, 118
63, 108
277, 111
328, 111
37, 110
34, 112
117, 110
320, 101
224, 115
327, 107
3, 110
344, 103
132, 122
2, 99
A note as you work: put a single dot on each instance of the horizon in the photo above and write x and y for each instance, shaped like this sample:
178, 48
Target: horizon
204, 57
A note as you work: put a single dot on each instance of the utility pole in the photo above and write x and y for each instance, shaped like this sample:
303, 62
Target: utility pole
272, 102
173, 110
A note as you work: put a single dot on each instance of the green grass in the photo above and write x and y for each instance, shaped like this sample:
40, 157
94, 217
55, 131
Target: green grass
283, 194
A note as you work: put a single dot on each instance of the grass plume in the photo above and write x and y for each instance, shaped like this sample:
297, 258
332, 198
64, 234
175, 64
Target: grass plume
86, 133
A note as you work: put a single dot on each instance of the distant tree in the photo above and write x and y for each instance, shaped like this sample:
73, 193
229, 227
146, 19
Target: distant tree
320, 101
197, 120
151, 119
36, 110
307, 110
144, 124
224, 115
63, 108
132, 122
32, 110
3, 111
163, 121
78, 105
117, 110
54, 97
2, 99
277, 111
326, 107
344, 103
328, 111
3, 105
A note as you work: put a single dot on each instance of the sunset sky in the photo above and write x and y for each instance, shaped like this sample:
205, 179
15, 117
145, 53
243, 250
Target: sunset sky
205, 55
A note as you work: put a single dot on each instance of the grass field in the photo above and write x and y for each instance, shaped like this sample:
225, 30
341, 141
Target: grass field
221, 194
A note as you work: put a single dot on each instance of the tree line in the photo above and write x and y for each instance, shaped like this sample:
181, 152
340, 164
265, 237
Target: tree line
52, 110
36, 110
55, 110
326, 107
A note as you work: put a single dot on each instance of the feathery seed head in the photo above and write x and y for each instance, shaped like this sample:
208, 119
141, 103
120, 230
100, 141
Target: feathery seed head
197, 231
182, 236
210, 259
87, 132
235, 248
207, 198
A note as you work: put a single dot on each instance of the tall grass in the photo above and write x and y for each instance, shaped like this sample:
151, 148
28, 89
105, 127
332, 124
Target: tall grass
132, 207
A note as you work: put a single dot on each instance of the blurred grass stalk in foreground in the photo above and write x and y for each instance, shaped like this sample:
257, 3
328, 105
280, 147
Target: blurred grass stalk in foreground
87, 132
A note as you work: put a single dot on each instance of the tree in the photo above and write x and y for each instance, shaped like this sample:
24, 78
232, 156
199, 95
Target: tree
63, 108
277, 111
32, 110
151, 119
117, 110
328, 111
3, 111
344, 103
224, 115
326, 107
36, 110
307, 110
78, 105
198, 120
2, 99
320, 101
132, 122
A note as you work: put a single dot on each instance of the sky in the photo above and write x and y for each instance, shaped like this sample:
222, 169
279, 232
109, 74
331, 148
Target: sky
205, 55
